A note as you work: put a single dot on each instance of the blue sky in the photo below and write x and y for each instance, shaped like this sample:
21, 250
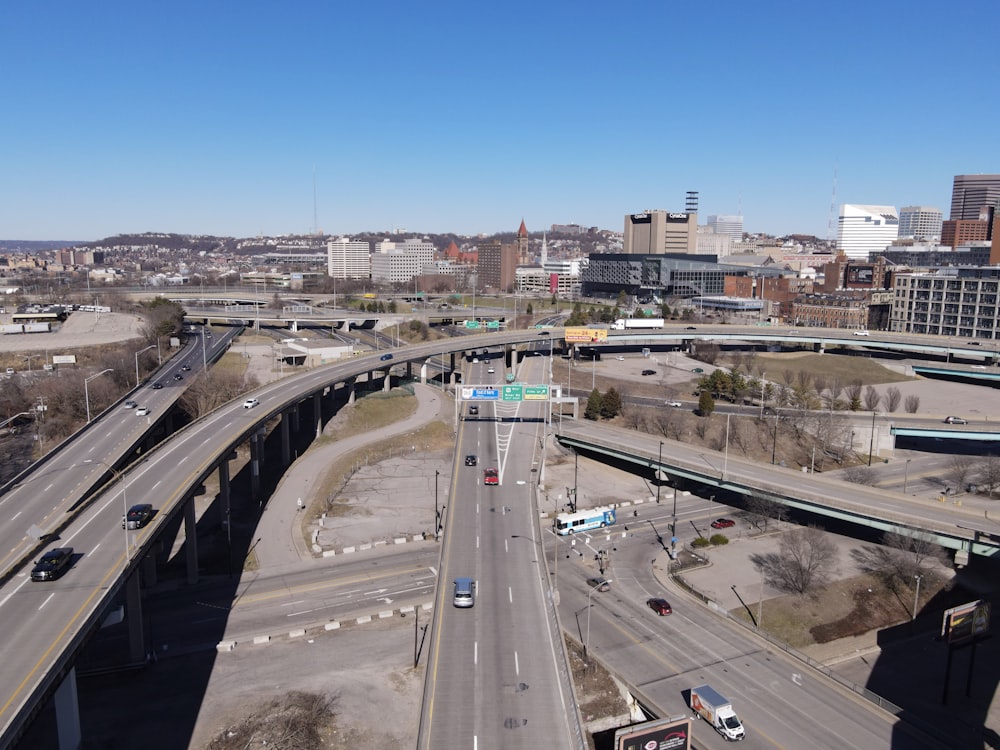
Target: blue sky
213, 117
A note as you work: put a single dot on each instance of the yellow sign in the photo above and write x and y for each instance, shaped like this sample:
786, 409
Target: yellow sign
586, 335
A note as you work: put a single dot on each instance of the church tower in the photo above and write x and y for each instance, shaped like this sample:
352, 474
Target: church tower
523, 251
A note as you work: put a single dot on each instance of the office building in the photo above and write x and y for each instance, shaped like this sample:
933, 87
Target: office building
921, 223
730, 226
348, 259
863, 229
497, 264
399, 262
661, 232
971, 193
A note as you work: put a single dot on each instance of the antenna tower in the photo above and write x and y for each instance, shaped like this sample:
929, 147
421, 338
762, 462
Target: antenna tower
830, 234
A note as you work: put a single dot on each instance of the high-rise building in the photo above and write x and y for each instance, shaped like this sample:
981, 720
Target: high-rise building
497, 265
661, 232
348, 259
865, 229
730, 226
921, 223
398, 262
972, 192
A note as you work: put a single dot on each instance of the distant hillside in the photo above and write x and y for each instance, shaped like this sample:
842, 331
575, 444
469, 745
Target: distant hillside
34, 246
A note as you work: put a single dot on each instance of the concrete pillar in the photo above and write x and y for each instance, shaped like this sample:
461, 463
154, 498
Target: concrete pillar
255, 459
387, 381
351, 384
294, 415
225, 498
149, 575
191, 541
294, 325
286, 452
451, 363
409, 371
68, 713
133, 619
423, 373
318, 412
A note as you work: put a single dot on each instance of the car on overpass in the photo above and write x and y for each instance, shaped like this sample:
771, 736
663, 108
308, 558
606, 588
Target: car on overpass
137, 516
471, 460
491, 477
955, 420
52, 564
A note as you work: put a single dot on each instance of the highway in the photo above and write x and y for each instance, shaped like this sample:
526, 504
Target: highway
496, 676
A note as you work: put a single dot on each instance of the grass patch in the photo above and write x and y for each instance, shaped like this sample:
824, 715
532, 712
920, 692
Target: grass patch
374, 411
826, 366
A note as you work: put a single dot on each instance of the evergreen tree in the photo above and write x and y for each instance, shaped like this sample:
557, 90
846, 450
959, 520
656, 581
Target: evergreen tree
611, 404
706, 404
593, 410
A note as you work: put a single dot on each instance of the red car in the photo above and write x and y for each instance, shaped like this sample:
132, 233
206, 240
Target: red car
660, 606
723, 523
491, 476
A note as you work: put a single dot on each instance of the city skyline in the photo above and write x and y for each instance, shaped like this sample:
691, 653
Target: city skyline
275, 120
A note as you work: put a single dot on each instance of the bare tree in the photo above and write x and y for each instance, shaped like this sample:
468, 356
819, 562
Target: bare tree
860, 474
872, 398
899, 559
761, 509
912, 403
805, 560
959, 470
892, 398
989, 472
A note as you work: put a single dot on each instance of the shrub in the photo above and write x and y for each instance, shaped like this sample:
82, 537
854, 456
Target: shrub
700, 542
719, 539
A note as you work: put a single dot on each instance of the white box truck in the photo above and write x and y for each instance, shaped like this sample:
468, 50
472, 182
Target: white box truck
717, 711
629, 324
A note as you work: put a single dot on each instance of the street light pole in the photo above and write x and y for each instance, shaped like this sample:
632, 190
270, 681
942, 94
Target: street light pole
725, 459
586, 645
118, 475
437, 518
86, 390
906, 473
916, 598
659, 463
871, 445
137, 362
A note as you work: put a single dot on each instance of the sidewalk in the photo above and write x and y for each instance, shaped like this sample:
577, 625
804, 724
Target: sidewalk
281, 541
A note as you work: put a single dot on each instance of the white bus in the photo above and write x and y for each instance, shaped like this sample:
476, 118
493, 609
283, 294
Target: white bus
583, 520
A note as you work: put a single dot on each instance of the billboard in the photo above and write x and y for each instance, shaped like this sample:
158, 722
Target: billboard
663, 734
585, 335
965, 622
64, 359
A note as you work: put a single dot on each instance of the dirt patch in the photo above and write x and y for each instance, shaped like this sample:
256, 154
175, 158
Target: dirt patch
597, 692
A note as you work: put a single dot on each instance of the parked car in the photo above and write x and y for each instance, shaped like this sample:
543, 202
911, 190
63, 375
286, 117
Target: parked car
599, 583
861, 333
142, 411
491, 477
955, 420
52, 564
130, 404
649, 372
723, 523
471, 460
250, 403
674, 403
660, 606
385, 357
137, 516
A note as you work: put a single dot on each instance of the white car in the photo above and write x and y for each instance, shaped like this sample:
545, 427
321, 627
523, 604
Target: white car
620, 359
491, 371
142, 411
861, 333
250, 403
674, 403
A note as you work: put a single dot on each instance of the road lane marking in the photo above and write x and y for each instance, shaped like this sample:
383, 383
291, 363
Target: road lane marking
47, 600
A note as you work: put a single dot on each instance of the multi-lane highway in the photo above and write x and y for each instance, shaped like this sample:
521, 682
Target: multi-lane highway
496, 675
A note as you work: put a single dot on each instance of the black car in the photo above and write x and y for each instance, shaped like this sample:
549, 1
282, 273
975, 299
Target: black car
178, 376
186, 368
471, 460
649, 372
385, 357
157, 386
53, 564
137, 516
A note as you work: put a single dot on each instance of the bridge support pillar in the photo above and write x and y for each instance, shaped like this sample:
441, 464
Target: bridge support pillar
225, 500
286, 452
191, 541
67, 707
423, 374
409, 371
351, 385
451, 361
293, 325
318, 412
133, 617
149, 570
255, 450
387, 381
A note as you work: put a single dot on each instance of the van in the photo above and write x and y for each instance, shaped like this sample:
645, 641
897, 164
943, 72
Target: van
465, 592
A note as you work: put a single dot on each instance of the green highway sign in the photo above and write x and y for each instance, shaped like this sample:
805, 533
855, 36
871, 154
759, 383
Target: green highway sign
513, 392
493, 324
536, 392
472, 324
